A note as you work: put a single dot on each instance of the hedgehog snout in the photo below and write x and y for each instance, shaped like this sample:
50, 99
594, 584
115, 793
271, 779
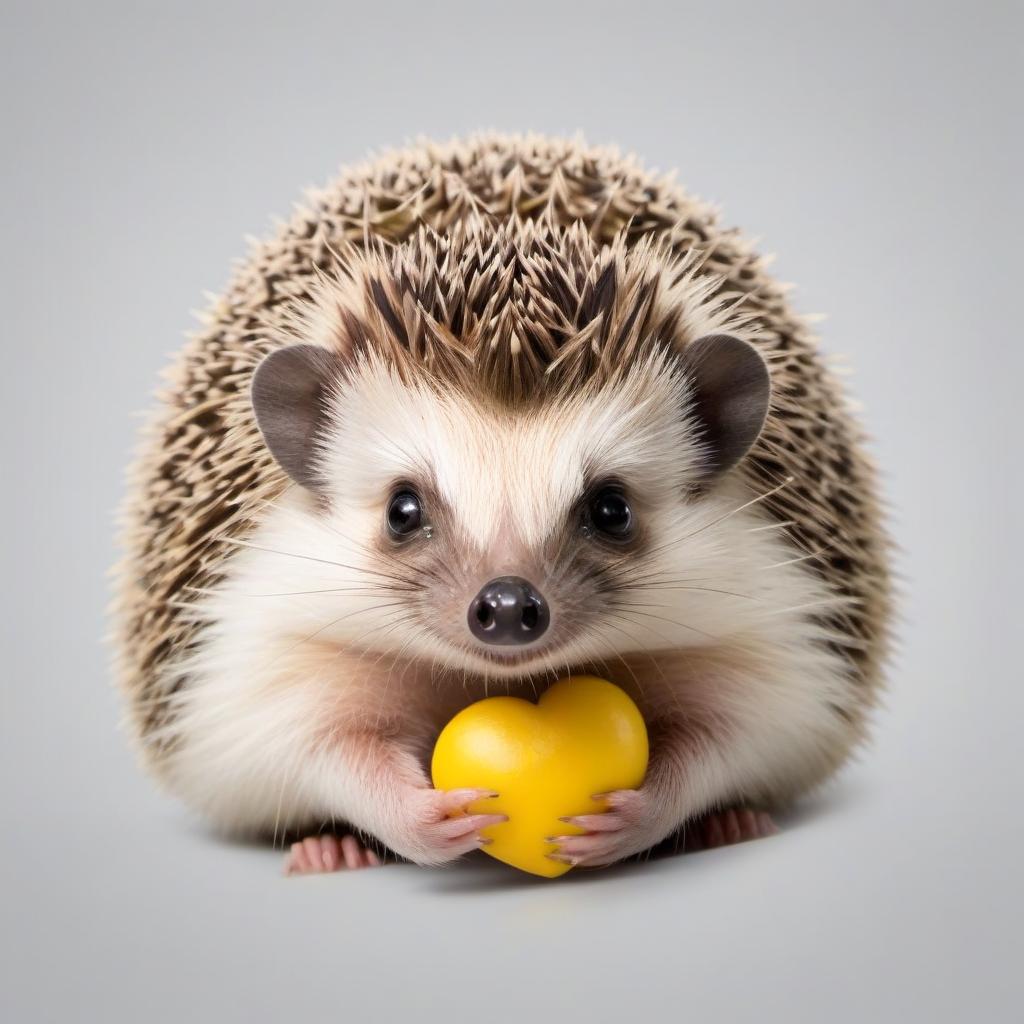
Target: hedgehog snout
508, 610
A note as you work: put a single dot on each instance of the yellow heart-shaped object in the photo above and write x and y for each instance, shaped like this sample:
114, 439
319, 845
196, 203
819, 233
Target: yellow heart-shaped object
545, 761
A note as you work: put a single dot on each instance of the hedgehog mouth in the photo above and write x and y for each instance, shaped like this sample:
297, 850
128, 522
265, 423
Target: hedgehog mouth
511, 657
521, 660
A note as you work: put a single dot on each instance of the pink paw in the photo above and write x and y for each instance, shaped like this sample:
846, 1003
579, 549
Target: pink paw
438, 829
723, 828
319, 854
624, 829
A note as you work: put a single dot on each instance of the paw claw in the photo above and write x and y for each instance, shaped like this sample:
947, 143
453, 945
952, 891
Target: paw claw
610, 821
563, 858
458, 799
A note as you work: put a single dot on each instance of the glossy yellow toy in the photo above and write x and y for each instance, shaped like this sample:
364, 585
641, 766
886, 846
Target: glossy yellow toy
545, 761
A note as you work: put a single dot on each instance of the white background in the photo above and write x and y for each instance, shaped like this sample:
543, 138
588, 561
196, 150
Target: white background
874, 147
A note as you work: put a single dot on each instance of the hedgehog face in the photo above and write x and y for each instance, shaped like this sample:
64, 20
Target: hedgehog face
507, 541
513, 524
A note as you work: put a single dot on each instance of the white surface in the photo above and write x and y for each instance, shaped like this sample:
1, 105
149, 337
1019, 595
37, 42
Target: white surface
875, 147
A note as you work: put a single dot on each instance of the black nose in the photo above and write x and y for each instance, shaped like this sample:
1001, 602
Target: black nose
508, 611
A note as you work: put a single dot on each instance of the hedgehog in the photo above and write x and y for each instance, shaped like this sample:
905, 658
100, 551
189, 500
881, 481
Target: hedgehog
481, 414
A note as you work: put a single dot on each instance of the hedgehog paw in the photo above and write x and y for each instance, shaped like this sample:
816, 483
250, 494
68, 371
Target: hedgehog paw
627, 827
320, 854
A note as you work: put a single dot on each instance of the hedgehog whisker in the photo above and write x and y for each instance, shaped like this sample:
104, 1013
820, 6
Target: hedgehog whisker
662, 581
838, 601
740, 508
364, 591
400, 620
398, 564
792, 561
313, 558
352, 545
654, 578
699, 590
773, 526
671, 622
334, 622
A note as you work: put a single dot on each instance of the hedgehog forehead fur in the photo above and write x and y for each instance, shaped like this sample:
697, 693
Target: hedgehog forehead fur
508, 479
518, 312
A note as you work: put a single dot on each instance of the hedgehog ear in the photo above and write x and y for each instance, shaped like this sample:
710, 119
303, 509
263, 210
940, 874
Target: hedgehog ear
730, 391
289, 396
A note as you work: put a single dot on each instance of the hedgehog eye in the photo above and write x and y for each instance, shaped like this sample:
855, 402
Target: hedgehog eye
609, 514
405, 513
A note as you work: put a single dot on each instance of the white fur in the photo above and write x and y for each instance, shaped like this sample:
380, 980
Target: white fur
313, 697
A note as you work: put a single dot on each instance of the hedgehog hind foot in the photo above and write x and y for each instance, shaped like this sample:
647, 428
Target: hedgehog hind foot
714, 829
726, 828
322, 854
